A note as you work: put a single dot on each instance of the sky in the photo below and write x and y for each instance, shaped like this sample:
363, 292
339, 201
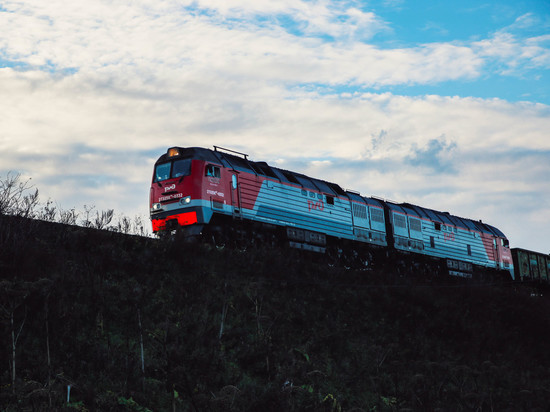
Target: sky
441, 104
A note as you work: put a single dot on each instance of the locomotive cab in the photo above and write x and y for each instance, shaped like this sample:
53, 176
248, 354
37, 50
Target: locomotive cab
189, 186
175, 190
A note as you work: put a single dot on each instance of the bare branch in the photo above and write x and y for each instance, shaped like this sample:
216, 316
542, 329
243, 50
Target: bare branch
102, 220
48, 212
14, 197
87, 211
68, 217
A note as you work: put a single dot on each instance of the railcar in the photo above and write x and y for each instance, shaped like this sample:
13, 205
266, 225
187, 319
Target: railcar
194, 188
198, 190
464, 244
531, 266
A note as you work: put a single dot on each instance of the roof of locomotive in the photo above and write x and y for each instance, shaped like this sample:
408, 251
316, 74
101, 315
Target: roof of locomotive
259, 168
288, 176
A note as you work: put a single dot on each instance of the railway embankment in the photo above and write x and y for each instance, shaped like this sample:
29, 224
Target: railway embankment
97, 320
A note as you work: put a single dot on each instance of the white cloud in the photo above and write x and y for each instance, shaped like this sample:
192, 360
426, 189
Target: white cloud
140, 44
514, 50
102, 90
340, 20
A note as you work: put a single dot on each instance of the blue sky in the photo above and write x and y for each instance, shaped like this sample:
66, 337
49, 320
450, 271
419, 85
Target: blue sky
442, 104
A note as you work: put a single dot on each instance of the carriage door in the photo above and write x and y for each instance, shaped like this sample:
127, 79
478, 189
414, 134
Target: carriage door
235, 195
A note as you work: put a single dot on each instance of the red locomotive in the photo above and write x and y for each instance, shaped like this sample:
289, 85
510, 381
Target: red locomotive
223, 193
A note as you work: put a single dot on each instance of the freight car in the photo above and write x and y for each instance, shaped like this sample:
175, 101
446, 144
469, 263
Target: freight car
225, 195
531, 266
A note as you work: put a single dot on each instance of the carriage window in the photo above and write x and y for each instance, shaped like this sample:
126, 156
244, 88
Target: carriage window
212, 171
181, 168
330, 200
437, 226
162, 172
173, 170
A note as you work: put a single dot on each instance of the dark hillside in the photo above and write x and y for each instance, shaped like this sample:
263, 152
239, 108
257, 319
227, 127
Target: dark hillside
251, 330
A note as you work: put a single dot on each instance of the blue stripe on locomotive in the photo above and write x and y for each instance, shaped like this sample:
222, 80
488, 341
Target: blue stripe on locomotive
286, 205
282, 202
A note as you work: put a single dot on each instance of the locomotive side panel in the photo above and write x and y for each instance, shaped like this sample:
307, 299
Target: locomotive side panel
269, 200
294, 206
441, 235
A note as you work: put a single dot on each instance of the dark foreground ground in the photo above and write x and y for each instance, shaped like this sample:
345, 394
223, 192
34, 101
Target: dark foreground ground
136, 324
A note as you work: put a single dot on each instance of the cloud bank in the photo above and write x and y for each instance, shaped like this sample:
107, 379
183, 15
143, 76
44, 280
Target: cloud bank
92, 96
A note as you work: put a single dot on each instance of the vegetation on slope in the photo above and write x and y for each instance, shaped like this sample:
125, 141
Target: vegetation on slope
250, 330
132, 323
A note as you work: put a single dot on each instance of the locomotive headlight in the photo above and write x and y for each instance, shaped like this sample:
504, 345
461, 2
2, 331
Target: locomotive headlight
156, 207
185, 200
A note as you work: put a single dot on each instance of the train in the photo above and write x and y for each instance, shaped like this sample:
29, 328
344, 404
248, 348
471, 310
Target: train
223, 195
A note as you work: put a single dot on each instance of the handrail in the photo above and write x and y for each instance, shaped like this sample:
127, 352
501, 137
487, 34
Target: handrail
231, 151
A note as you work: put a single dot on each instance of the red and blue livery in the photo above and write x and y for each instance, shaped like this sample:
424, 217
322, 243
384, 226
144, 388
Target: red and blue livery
224, 194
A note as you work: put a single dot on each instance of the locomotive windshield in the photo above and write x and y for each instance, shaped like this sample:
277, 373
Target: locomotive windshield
172, 170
